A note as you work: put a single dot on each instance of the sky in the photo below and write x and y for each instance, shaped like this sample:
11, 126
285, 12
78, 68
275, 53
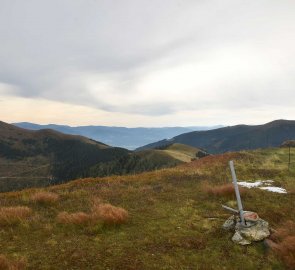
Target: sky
147, 62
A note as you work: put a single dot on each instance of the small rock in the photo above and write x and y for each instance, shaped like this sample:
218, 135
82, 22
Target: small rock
237, 238
256, 229
230, 223
256, 232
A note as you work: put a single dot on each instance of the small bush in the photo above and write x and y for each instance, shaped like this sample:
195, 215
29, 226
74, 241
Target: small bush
13, 215
286, 250
109, 214
222, 190
44, 197
6, 264
104, 213
74, 218
284, 244
284, 231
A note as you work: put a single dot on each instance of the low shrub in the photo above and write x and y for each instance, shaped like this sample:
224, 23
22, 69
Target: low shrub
6, 264
109, 214
221, 190
284, 243
13, 215
105, 213
45, 197
73, 218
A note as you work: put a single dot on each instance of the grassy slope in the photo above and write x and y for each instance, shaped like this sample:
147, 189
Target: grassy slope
171, 225
157, 156
182, 152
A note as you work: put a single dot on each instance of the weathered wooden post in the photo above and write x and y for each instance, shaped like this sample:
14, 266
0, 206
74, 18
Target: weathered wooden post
239, 201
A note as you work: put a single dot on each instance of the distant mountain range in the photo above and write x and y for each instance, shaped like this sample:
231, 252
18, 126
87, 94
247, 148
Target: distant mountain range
234, 138
129, 138
31, 158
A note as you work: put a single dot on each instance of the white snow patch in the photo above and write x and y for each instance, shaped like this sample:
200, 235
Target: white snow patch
274, 189
262, 184
249, 184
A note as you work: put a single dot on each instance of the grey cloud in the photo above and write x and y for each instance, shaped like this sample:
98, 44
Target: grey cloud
45, 44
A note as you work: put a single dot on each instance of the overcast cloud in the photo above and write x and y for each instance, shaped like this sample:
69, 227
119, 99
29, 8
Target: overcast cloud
154, 63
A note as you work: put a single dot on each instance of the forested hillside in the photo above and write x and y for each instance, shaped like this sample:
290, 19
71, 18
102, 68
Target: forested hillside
45, 157
235, 138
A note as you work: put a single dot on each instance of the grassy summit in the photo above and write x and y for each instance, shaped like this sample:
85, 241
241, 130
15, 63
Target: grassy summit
174, 218
182, 152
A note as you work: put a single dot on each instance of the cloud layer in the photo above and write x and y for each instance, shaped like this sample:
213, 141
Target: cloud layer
150, 59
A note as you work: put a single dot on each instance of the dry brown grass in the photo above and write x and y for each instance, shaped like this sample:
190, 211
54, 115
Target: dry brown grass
14, 215
284, 243
208, 161
100, 212
6, 264
109, 214
44, 197
78, 218
221, 190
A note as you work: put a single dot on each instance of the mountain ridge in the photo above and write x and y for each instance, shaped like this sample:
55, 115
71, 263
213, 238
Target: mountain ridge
235, 138
129, 138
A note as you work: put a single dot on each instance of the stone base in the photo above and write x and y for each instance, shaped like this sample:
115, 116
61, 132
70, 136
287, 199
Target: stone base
255, 230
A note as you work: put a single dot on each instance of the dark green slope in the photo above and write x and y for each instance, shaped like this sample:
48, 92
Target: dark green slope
44, 157
235, 138
135, 162
37, 158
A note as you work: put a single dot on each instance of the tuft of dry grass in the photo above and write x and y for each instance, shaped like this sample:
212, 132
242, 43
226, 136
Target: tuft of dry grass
78, 218
44, 197
284, 243
221, 190
109, 214
14, 215
100, 212
6, 264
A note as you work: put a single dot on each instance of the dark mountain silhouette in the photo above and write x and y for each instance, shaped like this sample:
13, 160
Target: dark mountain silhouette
47, 156
235, 138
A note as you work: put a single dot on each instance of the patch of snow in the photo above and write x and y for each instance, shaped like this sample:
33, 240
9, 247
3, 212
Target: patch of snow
263, 184
274, 189
249, 184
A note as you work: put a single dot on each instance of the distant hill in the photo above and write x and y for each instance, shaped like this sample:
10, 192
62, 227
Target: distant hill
30, 158
150, 159
183, 152
136, 162
129, 138
43, 157
289, 143
235, 138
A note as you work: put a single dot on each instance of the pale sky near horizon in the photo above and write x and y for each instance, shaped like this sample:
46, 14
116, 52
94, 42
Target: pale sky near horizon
147, 62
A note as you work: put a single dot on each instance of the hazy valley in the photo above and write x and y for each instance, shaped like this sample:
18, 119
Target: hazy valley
129, 138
